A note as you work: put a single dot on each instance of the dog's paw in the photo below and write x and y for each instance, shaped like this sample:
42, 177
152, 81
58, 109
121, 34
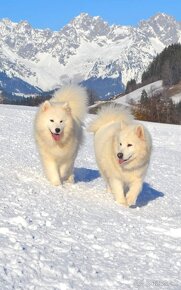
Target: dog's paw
55, 182
108, 189
70, 179
131, 199
121, 200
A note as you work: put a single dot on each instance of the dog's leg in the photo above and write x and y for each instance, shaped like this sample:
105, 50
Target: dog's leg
66, 173
133, 192
118, 191
108, 188
51, 171
104, 176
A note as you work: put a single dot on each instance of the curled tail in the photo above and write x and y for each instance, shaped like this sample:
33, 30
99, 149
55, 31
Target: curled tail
76, 97
109, 114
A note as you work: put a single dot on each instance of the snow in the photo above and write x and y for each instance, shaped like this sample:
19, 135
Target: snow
76, 236
157, 44
136, 95
176, 98
48, 59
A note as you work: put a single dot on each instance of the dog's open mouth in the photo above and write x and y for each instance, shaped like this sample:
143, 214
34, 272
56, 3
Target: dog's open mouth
121, 161
56, 136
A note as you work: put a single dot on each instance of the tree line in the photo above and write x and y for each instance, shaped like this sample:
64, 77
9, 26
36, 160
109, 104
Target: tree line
157, 108
37, 100
166, 66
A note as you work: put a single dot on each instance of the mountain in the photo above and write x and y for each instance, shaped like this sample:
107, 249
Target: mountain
15, 85
86, 50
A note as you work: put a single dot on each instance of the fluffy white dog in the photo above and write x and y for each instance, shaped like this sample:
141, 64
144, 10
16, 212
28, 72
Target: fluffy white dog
122, 149
58, 132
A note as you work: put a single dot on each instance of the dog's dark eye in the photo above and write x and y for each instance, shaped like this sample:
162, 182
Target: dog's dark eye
129, 145
120, 144
61, 121
51, 120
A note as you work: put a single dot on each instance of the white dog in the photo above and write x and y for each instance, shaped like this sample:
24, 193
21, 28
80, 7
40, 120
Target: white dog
122, 149
58, 132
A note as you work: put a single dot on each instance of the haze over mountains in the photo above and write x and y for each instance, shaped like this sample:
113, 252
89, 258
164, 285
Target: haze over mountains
86, 50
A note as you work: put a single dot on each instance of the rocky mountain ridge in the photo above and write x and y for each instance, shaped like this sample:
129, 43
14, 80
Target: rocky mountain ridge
85, 50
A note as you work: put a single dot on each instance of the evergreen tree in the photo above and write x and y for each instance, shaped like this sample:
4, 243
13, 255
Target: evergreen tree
144, 97
131, 86
166, 66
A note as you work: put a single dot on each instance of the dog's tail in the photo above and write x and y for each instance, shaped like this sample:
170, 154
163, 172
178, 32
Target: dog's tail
110, 114
76, 98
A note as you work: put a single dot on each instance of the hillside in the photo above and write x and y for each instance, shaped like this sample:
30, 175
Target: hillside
154, 88
136, 95
16, 86
76, 236
166, 66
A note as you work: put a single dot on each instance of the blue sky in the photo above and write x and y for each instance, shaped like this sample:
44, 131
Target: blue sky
55, 14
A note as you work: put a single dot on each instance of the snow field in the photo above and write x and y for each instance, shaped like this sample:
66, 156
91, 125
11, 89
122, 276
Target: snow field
76, 236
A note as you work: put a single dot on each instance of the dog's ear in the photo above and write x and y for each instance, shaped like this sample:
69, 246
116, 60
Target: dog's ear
140, 132
67, 107
46, 105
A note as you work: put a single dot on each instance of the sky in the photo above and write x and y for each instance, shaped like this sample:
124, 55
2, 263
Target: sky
55, 14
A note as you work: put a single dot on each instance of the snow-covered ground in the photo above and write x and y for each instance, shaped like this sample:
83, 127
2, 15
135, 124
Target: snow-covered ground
136, 95
76, 236
176, 98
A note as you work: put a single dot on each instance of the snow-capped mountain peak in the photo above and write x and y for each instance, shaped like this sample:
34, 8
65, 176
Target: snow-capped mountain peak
86, 47
7, 22
163, 27
89, 27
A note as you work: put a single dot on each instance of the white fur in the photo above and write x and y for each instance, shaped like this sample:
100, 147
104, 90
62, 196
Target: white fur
77, 99
65, 112
112, 127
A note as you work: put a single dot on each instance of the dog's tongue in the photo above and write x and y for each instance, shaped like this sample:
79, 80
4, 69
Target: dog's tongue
120, 161
56, 137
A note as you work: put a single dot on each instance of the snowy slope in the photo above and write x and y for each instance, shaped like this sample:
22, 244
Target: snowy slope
151, 89
16, 86
86, 48
76, 236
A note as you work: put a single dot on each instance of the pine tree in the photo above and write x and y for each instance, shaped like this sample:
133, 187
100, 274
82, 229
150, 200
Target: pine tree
131, 86
166, 66
144, 97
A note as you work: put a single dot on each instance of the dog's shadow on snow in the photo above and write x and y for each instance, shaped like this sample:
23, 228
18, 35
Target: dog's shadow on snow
85, 175
147, 194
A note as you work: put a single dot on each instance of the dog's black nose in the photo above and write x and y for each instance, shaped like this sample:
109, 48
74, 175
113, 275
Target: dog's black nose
120, 155
57, 130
